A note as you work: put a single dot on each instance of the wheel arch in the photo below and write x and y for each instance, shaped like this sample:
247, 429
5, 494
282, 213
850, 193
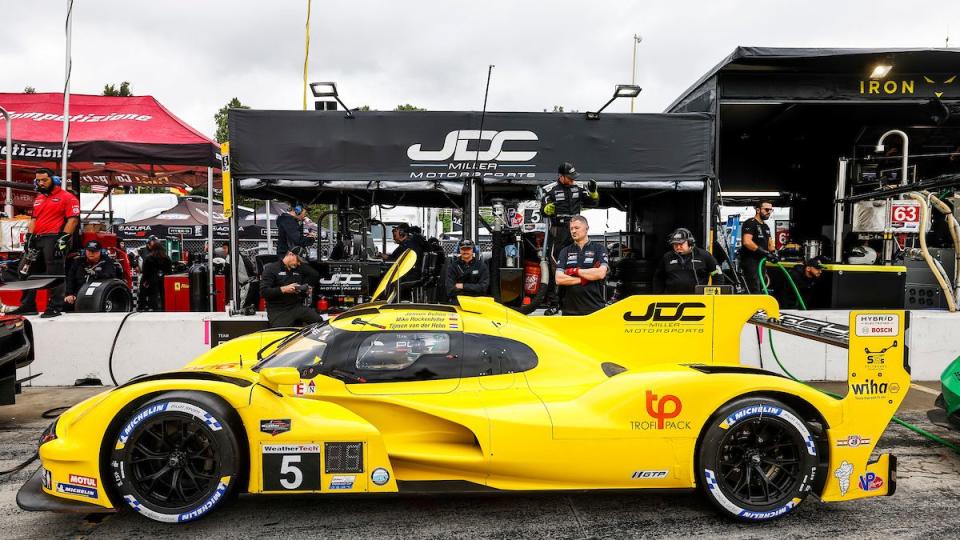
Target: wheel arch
803, 407
243, 443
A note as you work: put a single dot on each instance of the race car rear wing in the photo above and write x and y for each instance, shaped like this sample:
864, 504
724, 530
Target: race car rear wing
829, 333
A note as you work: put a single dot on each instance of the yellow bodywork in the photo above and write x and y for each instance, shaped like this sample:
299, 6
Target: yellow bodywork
612, 395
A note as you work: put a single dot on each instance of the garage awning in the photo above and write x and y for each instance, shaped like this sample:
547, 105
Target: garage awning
309, 150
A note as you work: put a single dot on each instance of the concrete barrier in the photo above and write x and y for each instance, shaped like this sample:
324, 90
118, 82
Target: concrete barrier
77, 346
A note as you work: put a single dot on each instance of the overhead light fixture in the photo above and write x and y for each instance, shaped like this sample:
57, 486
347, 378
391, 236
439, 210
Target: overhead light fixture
329, 89
880, 71
621, 91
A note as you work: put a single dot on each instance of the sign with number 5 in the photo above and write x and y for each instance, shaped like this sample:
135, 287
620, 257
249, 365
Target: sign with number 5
291, 467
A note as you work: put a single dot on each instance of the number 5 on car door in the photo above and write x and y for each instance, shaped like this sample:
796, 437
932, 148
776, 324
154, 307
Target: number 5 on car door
291, 467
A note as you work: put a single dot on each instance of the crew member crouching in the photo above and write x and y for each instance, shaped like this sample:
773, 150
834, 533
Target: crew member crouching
95, 266
284, 285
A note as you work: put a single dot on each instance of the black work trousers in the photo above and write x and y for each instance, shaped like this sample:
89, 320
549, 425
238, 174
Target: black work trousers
49, 263
560, 238
296, 315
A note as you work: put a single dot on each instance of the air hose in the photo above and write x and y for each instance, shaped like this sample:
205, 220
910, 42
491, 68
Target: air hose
764, 283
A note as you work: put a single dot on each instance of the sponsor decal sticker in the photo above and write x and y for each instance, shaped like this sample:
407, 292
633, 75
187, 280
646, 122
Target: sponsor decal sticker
871, 389
649, 475
305, 389
83, 480
853, 441
342, 482
667, 318
768, 410
878, 324
870, 481
663, 410
843, 473
275, 427
171, 406
380, 476
71, 489
46, 479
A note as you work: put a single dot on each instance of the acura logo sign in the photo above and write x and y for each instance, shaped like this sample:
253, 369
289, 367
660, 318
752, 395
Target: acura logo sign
455, 147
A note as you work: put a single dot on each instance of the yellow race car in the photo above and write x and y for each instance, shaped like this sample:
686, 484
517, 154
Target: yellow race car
647, 393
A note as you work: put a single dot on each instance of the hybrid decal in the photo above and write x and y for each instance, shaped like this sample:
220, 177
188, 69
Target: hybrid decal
667, 318
663, 411
458, 158
880, 324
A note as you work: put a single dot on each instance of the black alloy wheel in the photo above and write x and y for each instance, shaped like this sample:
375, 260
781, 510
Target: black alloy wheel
757, 460
176, 457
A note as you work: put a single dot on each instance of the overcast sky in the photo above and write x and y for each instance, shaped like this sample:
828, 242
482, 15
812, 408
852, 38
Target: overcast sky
194, 56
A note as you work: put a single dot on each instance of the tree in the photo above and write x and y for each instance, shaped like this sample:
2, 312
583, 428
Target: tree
29, 90
407, 107
221, 118
123, 91
364, 108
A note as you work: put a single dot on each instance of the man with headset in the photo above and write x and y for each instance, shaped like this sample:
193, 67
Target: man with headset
684, 267
290, 229
56, 215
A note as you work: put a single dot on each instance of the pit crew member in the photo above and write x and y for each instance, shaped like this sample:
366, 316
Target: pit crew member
467, 275
96, 265
560, 201
684, 267
285, 286
56, 215
581, 270
757, 244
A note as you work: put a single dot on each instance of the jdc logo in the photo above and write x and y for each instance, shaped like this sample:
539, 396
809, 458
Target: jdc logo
455, 147
342, 279
667, 312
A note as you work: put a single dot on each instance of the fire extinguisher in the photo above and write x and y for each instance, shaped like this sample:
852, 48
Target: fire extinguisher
531, 280
323, 304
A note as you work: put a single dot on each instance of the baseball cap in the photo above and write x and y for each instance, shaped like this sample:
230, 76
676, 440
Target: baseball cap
567, 169
679, 236
816, 262
466, 243
300, 252
153, 238
93, 245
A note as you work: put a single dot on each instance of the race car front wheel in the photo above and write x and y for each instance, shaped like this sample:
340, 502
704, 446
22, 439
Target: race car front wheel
757, 459
176, 457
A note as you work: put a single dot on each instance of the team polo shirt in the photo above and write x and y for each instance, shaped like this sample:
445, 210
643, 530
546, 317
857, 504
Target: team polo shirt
587, 298
51, 211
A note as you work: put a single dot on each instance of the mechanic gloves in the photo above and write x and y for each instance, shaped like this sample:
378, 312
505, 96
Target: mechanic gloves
593, 189
27, 241
549, 209
63, 243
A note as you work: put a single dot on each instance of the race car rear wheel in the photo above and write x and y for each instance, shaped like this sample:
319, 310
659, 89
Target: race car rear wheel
757, 459
176, 457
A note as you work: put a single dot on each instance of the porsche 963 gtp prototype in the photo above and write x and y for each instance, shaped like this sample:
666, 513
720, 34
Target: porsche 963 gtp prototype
394, 397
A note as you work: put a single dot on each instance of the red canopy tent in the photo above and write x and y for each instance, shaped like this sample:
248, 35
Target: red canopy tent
113, 140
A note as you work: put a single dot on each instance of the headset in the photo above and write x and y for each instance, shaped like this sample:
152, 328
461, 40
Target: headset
683, 234
298, 208
57, 181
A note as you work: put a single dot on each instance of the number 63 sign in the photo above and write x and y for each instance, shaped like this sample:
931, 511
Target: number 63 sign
905, 216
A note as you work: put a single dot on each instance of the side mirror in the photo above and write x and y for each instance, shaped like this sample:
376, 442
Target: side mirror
277, 376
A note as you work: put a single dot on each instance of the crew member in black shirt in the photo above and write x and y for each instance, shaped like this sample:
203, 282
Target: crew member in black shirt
290, 229
581, 269
757, 244
405, 240
284, 285
467, 275
805, 276
684, 267
96, 265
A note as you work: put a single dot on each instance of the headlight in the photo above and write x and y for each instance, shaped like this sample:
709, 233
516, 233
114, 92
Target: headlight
49, 434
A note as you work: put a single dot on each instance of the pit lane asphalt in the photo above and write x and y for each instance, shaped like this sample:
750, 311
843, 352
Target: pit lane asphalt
925, 505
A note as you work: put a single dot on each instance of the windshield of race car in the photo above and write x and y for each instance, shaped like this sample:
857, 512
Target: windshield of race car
304, 351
